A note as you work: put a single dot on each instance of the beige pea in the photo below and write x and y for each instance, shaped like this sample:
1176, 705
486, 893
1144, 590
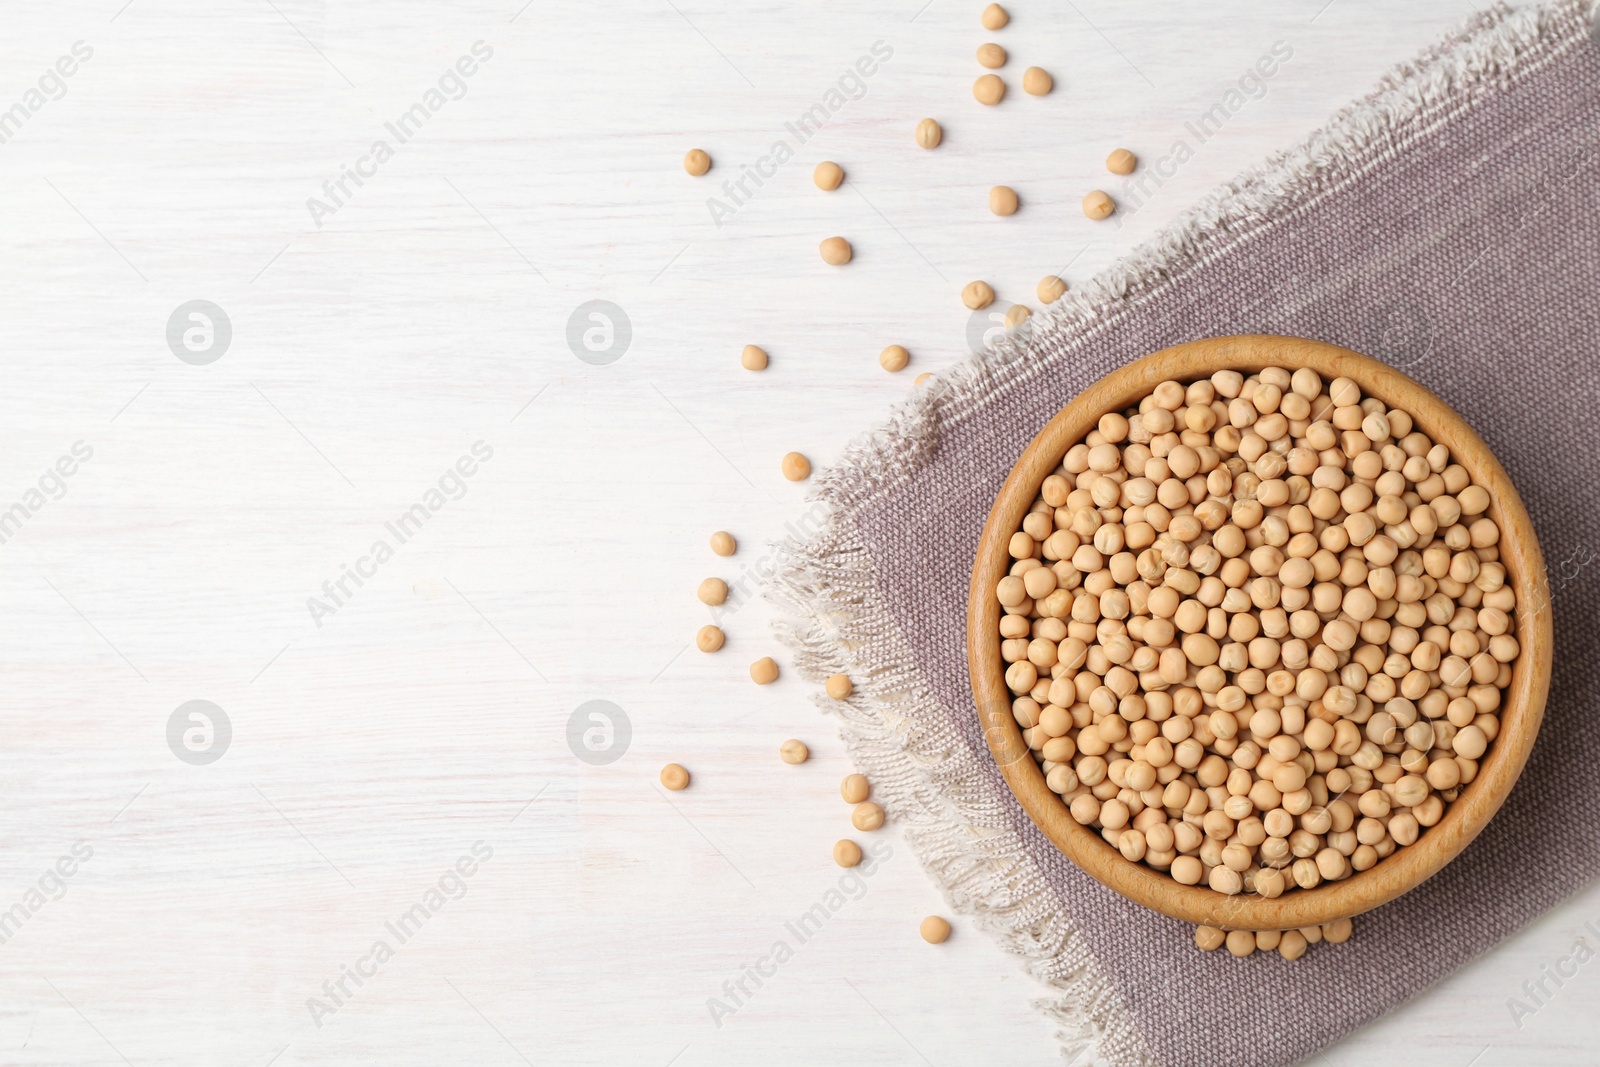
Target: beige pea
1292, 945
1003, 200
977, 295
855, 788
866, 816
709, 638
828, 175
1016, 315
1337, 932
894, 358
796, 468
1241, 943
793, 752
839, 686
991, 55
696, 162
989, 90
712, 591
674, 777
1209, 938
764, 671
836, 251
1037, 82
754, 357
929, 133
934, 930
1098, 205
1121, 161
1050, 289
723, 543
994, 17
846, 853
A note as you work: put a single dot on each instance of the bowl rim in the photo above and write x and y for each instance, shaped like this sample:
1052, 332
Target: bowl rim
1521, 711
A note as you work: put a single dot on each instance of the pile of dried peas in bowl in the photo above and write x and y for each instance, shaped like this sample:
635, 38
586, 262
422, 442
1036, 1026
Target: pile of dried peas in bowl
1256, 630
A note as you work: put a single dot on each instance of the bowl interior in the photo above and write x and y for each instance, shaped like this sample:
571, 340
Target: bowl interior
1522, 706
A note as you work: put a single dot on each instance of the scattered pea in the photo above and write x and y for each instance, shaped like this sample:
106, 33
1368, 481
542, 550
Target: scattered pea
793, 752
866, 816
855, 788
696, 162
846, 853
1098, 205
1121, 161
828, 175
836, 251
1241, 942
712, 591
764, 671
1037, 82
723, 543
674, 777
994, 17
839, 686
989, 90
929, 133
1209, 938
796, 467
991, 55
1003, 200
977, 295
934, 930
709, 638
1016, 315
1050, 289
754, 357
894, 358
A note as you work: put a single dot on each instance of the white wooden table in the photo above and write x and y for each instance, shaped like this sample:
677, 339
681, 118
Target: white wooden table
427, 709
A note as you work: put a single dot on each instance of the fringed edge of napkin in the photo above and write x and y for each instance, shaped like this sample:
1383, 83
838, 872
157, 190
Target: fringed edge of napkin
825, 587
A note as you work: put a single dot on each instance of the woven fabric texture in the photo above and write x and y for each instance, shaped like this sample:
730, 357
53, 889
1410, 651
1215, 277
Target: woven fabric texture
1448, 224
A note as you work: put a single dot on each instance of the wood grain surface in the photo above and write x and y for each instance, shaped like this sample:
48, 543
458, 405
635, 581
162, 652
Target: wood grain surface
371, 347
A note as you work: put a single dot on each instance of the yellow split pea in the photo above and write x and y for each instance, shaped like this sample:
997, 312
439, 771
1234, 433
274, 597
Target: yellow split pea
796, 468
991, 55
977, 295
1003, 200
836, 251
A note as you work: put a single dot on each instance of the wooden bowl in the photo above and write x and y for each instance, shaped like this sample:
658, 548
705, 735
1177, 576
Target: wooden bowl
1521, 711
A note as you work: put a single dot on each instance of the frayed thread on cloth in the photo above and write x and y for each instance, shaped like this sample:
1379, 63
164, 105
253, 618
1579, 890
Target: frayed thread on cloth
833, 617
